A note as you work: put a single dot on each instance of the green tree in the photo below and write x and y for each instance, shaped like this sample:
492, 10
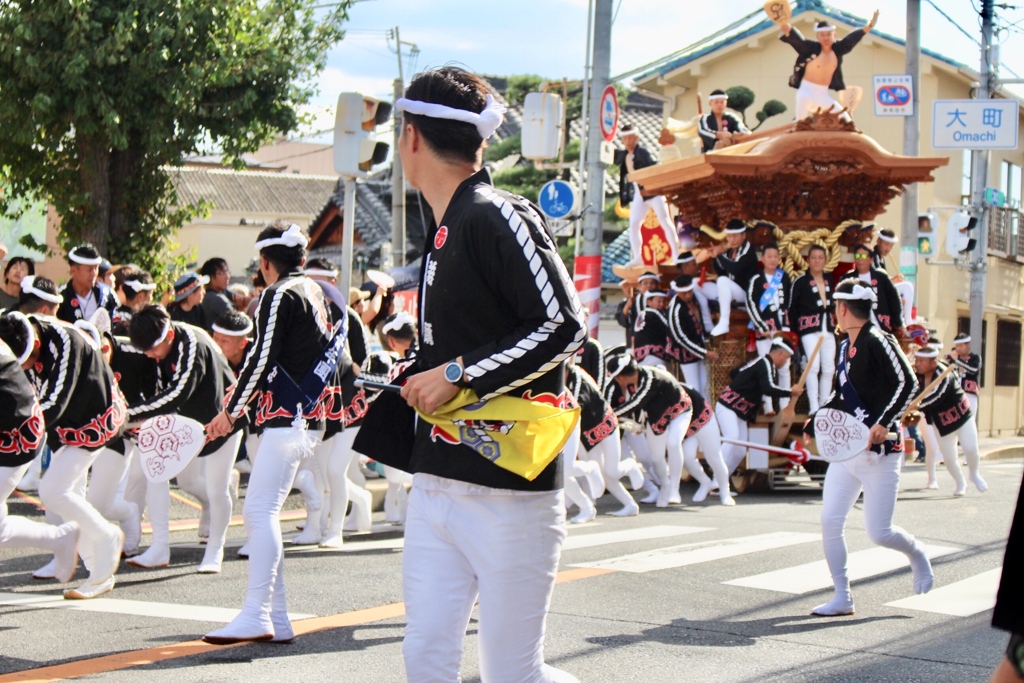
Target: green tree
99, 99
771, 108
740, 98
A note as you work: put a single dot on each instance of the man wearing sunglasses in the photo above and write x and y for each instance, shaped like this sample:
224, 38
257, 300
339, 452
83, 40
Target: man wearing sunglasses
887, 311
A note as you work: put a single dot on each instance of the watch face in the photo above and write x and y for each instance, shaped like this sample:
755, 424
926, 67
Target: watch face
452, 372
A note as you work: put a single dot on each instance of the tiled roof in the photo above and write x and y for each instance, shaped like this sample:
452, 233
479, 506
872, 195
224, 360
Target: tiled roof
253, 191
615, 254
755, 23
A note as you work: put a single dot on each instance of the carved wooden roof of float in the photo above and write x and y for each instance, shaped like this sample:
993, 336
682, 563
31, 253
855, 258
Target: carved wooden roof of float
817, 172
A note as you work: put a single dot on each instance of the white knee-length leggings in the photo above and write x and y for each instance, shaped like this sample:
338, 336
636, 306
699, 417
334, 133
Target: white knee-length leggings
823, 369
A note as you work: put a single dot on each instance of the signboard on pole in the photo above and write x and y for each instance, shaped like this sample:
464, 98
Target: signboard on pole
609, 113
894, 94
557, 198
974, 124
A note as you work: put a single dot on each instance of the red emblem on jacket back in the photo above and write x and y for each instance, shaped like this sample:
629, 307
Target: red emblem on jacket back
440, 237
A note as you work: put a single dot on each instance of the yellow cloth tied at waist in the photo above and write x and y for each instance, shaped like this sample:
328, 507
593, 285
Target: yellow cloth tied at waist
520, 435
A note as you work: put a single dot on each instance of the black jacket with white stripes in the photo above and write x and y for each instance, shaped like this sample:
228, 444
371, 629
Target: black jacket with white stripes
686, 327
78, 395
292, 327
590, 358
739, 265
21, 418
494, 292
888, 308
881, 375
945, 407
597, 419
969, 369
707, 127
775, 316
807, 312
358, 338
136, 374
748, 384
651, 336
658, 396
69, 310
702, 411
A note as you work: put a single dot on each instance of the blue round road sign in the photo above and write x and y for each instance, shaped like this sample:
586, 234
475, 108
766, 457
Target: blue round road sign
893, 95
557, 198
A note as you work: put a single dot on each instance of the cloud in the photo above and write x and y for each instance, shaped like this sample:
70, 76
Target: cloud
333, 81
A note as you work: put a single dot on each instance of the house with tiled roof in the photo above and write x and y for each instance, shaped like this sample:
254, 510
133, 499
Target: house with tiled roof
749, 53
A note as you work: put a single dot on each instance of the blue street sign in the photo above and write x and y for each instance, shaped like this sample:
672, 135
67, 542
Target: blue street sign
557, 198
994, 197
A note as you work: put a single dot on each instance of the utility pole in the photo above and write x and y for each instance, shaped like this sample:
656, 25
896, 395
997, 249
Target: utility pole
979, 179
911, 133
588, 263
397, 173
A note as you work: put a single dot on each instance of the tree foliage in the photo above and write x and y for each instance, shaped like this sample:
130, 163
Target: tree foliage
771, 108
98, 99
740, 99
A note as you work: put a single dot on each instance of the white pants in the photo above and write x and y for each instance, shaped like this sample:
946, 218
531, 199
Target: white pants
823, 369
136, 483
608, 455
669, 443
269, 484
709, 438
931, 446
574, 493
696, 375
728, 292
637, 444
763, 347
844, 482
700, 294
334, 458
973, 400
732, 428
968, 437
811, 97
60, 491
108, 471
21, 532
653, 362
906, 291
463, 541
638, 209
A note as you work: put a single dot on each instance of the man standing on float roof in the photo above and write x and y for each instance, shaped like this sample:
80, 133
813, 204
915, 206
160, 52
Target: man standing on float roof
499, 315
819, 65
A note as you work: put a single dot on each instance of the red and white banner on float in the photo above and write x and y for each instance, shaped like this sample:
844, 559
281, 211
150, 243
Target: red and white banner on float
588, 284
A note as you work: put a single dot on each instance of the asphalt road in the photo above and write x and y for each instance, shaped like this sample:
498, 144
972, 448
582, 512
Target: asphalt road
670, 595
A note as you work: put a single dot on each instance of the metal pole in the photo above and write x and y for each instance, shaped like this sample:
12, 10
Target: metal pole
584, 120
979, 179
348, 230
397, 180
911, 134
593, 219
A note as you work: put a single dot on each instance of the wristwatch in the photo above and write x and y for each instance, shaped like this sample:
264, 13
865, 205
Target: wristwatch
455, 373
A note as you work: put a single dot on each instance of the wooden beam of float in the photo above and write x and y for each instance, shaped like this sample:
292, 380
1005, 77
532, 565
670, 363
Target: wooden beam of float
813, 173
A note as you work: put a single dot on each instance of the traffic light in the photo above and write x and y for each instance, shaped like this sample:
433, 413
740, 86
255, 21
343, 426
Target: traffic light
356, 149
542, 126
958, 234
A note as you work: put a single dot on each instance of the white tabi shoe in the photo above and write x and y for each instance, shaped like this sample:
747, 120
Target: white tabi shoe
283, 631
240, 631
156, 556
839, 606
132, 528
90, 589
65, 557
332, 541
636, 477
47, 571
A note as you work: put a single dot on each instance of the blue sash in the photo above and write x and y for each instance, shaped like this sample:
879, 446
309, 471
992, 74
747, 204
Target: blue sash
769, 293
307, 392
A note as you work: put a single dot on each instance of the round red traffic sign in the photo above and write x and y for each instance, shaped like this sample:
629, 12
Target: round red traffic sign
609, 113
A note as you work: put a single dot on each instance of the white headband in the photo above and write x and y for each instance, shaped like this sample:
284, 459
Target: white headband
718, 97
652, 294
139, 286
686, 259
320, 272
401, 320
927, 352
891, 240
31, 342
687, 288
85, 261
819, 29
90, 332
28, 285
735, 231
779, 344
486, 122
233, 333
163, 334
622, 362
648, 276
292, 237
627, 133
966, 339
859, 293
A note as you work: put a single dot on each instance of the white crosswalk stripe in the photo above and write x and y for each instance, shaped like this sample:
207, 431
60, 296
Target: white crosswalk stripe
813, 576
695, 553
961, 599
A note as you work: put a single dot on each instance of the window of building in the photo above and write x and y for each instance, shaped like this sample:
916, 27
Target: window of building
966, 174
1011, 184
1008, 337
963, 326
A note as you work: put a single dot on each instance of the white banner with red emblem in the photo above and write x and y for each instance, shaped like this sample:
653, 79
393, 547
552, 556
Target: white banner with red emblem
167, 445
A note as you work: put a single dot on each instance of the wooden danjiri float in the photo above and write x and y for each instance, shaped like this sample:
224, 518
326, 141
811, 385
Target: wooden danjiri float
819, 180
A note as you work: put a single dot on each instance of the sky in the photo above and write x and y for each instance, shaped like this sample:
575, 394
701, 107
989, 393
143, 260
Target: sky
548, 37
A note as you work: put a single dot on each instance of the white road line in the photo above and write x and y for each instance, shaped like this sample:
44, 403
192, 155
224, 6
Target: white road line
960, 599
813, 576
576, 542
695, 553
137, 608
